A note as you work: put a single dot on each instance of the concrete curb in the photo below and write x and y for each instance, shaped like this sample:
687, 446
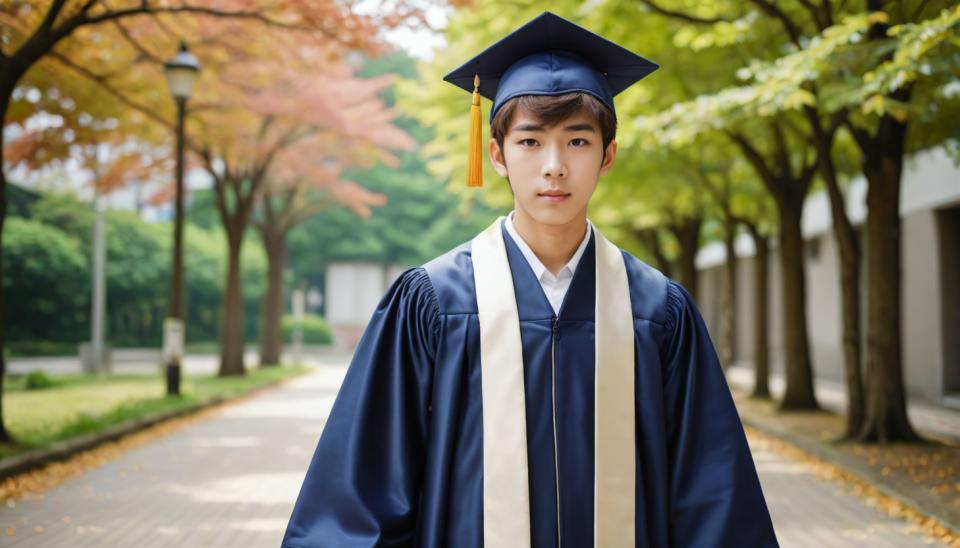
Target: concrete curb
63, 450
852, 466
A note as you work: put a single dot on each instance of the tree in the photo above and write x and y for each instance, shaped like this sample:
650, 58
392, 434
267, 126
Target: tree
310, 179
781, 160
736, 198
293, 130
31, 31
634, 198
836, 78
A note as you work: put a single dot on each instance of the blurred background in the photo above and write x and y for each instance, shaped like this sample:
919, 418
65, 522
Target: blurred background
199, 199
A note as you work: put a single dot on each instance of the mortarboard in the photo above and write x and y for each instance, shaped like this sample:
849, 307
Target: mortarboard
547, 56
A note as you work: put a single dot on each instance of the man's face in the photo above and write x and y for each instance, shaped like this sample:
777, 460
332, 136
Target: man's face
553, 170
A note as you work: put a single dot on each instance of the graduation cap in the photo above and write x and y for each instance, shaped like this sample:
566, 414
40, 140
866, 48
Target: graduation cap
547, 56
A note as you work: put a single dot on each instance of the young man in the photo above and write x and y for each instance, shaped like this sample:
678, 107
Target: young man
536, 387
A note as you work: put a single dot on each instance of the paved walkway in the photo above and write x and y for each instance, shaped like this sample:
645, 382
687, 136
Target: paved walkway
938, 421
231, 479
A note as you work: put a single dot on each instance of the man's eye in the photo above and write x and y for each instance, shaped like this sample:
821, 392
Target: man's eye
578, 142
529, 142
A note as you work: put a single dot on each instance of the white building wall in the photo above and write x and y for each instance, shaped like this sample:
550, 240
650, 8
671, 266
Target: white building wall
353, 290
920, 303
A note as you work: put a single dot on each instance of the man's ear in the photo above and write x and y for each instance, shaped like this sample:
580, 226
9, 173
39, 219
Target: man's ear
497, 158
609, 155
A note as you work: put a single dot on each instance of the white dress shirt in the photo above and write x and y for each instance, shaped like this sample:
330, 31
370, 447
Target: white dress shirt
554, 286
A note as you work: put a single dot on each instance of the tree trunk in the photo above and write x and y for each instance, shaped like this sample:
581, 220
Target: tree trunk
650, 239
271, 332
761, 308
231, 335
728, 296
799, 372
849, 257
886, 410
687, 234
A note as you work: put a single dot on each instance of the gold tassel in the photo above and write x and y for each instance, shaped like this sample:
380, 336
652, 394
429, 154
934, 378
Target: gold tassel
474, 157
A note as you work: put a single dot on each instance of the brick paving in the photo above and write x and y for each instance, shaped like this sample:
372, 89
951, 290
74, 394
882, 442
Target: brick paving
231, 479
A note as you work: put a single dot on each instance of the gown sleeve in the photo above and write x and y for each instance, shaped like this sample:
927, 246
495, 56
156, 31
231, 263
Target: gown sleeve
715, 495
362, 486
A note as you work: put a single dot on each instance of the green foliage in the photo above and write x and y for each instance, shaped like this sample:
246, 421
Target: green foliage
63, 211
315, 329
29, 347
19, 200
202, 209
849, 71
38, 380
47, 278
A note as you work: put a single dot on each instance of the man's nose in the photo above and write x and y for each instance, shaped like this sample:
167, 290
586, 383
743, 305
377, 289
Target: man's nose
554, 164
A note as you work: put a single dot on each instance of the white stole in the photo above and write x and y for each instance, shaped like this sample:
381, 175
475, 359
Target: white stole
506, 497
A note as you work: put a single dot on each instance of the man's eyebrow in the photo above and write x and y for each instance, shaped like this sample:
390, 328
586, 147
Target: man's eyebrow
528, 127
580, 127
583, 126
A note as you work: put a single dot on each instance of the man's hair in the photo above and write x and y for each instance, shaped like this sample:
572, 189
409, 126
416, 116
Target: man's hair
553, 109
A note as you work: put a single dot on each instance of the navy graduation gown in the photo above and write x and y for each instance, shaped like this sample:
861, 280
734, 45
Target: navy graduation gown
400, 460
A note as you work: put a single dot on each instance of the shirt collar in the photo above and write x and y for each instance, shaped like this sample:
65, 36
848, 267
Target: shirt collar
539, 269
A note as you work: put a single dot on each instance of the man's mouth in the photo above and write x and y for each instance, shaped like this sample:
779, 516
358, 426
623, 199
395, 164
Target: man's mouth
554, 195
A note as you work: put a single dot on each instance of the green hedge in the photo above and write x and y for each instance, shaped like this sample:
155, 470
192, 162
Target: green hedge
34, 347
315, 329
47, 278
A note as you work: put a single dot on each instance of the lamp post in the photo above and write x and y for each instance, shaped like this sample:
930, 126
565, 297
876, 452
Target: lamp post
97, 362
181, 72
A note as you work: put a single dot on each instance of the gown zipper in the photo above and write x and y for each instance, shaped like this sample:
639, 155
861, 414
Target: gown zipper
556, 454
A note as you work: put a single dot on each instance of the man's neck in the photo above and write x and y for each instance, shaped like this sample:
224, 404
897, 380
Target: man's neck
554, 245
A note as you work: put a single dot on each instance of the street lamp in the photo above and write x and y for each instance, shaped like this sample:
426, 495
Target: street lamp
181, 72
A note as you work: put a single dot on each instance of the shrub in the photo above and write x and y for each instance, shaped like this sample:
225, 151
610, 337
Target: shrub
37, 380
38, 347
315, 329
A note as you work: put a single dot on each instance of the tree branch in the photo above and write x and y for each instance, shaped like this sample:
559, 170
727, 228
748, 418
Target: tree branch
816, 13
720, 197
780, 140
218, 186
135, 44
48, 20
82, 19
919, 10
755, 158
789, 25
836, 120
806, 175
683, 16
109, 88
863, 138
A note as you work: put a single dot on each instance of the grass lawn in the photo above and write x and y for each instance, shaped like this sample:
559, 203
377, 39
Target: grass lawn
80, 404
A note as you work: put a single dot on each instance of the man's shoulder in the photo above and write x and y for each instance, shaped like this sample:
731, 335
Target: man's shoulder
650, 290
452, 277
